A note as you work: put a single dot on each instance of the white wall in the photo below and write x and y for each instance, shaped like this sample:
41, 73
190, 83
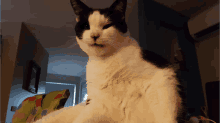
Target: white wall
67, 64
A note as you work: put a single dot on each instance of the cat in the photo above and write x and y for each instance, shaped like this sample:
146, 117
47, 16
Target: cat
124, 84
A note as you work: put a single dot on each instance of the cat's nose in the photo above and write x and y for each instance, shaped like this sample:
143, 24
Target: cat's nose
95, 37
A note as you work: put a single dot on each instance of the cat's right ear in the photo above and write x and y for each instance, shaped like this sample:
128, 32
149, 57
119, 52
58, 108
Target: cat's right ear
119, 6
79, 7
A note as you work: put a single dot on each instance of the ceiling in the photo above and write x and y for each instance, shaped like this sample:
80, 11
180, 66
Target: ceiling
189, 8
52, 21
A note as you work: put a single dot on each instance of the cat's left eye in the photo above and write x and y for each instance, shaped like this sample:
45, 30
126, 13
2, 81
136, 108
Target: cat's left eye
107, 26
86, 26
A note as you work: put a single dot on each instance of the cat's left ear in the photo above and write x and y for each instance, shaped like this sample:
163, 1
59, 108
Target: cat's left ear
79, 8
119, 6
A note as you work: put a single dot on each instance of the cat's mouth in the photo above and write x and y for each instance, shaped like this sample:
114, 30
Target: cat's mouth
97, 45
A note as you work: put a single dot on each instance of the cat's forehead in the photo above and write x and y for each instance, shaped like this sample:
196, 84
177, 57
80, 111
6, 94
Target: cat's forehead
97, 17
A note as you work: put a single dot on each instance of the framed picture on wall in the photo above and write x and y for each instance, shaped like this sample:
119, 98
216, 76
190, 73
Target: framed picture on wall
31, 76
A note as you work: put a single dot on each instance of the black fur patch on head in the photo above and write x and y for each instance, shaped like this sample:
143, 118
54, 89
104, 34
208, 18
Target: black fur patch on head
83, 24
79, 7
116, 18
115, 13
82, 12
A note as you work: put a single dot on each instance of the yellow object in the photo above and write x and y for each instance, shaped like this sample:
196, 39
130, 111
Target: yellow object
34, 108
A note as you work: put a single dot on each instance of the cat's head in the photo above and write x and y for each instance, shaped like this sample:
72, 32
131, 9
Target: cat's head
99, 32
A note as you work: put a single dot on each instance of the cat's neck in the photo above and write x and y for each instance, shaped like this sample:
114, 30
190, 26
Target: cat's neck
100, 70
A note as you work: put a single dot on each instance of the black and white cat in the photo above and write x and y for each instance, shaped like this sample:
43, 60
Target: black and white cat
123, 87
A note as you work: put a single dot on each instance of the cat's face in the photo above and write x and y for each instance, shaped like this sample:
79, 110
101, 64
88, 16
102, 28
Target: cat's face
99, 31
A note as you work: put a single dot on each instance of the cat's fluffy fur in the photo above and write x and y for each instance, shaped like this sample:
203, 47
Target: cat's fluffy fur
122, 86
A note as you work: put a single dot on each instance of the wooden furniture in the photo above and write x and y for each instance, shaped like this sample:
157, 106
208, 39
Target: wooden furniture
212, 95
